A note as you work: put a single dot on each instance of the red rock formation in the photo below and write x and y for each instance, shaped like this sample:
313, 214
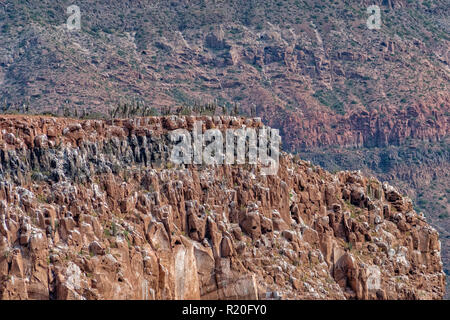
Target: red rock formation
91, 210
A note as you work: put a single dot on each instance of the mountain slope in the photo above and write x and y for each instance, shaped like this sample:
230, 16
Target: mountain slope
376, 100
92, 210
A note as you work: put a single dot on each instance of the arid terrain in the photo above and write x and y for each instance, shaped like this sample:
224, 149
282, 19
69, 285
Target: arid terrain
343, 96
94, 210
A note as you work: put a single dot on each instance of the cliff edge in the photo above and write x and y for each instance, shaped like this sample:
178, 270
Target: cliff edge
93, 210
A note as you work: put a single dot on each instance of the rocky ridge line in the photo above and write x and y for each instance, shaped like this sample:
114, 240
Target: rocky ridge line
91, 210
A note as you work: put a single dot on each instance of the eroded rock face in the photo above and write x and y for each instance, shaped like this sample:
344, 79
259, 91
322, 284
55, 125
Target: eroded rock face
92, 210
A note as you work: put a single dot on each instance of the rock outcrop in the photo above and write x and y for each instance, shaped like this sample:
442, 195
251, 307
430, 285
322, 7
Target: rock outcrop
93, 210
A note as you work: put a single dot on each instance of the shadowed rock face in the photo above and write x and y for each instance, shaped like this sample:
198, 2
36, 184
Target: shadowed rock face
93, 210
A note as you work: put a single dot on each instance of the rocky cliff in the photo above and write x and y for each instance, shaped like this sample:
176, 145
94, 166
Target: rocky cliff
93, 210
311, 68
